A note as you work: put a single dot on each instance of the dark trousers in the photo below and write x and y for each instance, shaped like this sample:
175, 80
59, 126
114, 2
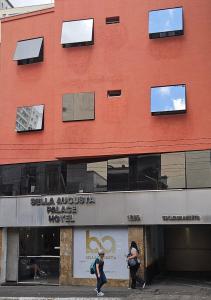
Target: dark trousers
134, 277
101, 281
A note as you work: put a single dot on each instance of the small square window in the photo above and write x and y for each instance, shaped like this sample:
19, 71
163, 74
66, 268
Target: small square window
77, 33
24, 119
29, 51
78, 107
166, 22
168, 99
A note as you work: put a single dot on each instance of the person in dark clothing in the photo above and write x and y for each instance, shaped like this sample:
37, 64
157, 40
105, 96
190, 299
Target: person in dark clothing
100, 275
134, 265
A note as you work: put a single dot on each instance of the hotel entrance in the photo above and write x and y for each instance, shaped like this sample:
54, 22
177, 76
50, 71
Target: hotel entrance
33, 255
39, 255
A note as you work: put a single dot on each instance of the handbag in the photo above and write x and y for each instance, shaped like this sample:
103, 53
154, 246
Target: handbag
132, 262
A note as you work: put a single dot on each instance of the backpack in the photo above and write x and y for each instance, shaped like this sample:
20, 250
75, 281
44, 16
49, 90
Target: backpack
92, 267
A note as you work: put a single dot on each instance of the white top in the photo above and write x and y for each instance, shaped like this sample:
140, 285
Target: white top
134, 251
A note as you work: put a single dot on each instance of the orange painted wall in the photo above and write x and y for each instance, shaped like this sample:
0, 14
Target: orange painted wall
123, 57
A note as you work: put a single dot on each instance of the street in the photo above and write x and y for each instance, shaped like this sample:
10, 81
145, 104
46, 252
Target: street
161, 289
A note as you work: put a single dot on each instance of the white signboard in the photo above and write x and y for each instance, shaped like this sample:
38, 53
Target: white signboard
87, 242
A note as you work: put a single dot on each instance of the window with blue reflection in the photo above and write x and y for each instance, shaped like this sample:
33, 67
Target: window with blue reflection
166, 22
168, 99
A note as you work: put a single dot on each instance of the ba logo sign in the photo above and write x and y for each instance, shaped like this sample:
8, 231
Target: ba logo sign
106, 243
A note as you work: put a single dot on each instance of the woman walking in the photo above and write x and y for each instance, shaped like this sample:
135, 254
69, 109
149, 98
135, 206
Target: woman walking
134, 265
101, 278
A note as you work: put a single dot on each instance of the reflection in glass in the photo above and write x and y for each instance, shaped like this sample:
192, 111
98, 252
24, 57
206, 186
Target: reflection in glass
39, 255
97, 177
168, 99
29, 118
10, 180
29, 51
145, 172
87, 177
198, 169
54, 179
166, 22
77, 33
173, 170
118, 174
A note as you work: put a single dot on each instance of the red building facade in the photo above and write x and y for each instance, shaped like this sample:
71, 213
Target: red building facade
116, 71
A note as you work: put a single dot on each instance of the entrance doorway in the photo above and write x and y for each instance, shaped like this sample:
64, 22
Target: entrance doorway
179, 251
39, 255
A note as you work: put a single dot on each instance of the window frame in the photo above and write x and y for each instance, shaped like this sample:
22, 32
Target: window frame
77, 119
30, 130
170, 112
164, 34
31, 60
78, 44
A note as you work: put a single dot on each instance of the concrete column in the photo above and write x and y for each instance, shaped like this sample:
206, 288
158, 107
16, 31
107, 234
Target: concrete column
136, 233
12, 254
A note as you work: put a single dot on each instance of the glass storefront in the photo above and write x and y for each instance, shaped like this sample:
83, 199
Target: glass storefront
39, 255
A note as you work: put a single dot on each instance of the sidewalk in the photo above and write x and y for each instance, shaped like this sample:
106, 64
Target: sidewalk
164, 289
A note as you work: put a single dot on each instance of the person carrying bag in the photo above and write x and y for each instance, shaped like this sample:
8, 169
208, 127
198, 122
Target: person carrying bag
134, 264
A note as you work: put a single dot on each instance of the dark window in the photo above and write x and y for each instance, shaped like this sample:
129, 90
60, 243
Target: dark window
78, 107
77, 33
29, 51
168, 99
55, 180
114, 93
118, 174
145, 172
29, 180
166, 22
112, 20
10, 180
25, 118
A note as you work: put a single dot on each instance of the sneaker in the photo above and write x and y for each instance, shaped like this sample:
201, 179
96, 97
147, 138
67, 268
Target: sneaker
36, 277
143, 286
95, 289
100, 294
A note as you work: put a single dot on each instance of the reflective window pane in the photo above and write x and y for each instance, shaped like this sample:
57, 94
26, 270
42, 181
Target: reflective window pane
198, 169
168, 99
87, 177
29, 118
78, 107
76, 177
77, 33
165, 22
173, 170
97, 177
118, 174
145, 172
54, 180
28, 49
10, 180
